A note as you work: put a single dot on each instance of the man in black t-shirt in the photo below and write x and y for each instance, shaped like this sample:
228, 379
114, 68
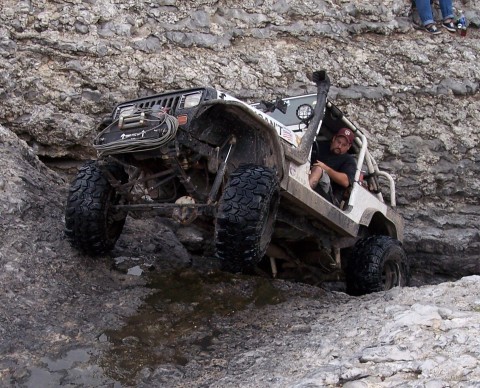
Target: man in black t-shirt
333, 168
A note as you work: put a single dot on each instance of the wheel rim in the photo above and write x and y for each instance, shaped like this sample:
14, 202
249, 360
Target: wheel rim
391, 275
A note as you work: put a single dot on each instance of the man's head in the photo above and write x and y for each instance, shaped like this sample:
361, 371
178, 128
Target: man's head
342, 141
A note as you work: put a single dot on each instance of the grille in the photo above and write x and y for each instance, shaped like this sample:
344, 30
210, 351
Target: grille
167, 102
157, 103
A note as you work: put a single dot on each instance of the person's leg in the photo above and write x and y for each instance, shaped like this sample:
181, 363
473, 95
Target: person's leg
320, 183
447, 14
425, 11
446, 8
315, 174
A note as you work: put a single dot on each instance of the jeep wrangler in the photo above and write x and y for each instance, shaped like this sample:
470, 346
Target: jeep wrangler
203, 156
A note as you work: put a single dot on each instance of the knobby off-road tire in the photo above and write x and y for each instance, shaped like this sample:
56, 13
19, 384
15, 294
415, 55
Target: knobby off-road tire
245, 217
91, 225
377, 263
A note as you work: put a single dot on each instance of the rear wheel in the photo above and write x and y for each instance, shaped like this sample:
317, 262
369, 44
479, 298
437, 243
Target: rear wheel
245, 217
91, 224
377, 263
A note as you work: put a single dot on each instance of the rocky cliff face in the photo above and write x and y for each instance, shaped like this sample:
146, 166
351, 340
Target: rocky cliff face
68, 320
65, 64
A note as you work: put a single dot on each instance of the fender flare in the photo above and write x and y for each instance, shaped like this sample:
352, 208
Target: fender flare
251, 119
390, 224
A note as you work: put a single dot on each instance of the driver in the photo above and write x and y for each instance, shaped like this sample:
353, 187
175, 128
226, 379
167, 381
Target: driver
334, 168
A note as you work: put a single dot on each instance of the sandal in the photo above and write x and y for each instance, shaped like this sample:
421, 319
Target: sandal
432, 29
449, 26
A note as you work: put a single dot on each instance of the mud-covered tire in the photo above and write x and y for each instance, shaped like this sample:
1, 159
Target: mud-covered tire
91, 225
245, 217
377, 263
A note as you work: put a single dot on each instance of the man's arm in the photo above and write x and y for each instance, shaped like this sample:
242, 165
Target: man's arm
338, 177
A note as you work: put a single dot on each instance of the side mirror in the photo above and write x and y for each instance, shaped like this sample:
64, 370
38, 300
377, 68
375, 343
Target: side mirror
267, 106
281, 105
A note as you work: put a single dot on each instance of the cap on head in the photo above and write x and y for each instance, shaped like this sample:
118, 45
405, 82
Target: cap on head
347, 133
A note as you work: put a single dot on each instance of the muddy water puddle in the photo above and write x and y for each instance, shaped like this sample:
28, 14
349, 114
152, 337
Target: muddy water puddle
187, 314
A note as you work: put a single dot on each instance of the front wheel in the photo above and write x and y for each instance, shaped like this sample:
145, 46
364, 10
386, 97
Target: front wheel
377, 263
91, 224
245, 218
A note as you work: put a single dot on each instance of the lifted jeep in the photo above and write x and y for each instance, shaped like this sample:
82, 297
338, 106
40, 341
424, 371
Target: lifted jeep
203, 156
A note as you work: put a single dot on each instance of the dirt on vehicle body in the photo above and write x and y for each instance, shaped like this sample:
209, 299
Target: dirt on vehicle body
203, 156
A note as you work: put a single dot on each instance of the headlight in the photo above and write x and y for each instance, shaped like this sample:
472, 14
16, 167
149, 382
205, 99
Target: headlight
190, 100
126, 111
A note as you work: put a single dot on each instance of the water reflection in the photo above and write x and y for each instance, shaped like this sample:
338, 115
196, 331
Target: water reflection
180, 320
